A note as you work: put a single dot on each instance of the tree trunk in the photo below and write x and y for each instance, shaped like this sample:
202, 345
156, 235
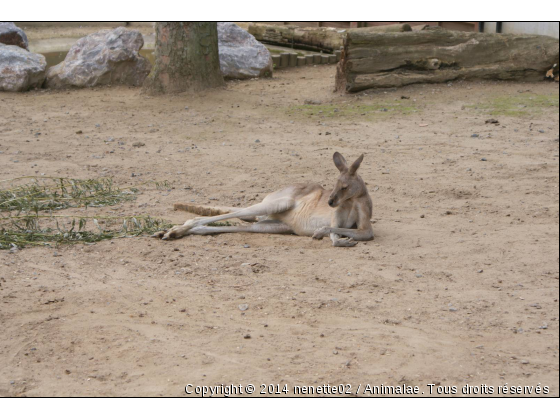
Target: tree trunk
187, 58
435, 55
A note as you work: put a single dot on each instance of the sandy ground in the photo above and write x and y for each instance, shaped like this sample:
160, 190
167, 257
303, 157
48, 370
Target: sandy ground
459, 287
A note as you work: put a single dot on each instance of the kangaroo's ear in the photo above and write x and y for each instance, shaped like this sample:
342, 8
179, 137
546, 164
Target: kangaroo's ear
356, 165
340, 162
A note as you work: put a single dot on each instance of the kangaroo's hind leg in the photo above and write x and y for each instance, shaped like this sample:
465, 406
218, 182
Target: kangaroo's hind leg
266, 208
266, 226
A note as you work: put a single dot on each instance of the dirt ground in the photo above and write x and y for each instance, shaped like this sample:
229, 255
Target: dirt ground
459, 287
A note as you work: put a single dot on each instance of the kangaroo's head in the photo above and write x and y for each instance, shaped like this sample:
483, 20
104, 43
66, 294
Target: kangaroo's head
349, 183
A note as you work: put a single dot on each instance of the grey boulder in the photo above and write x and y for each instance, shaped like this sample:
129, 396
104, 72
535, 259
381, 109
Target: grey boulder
241, 55
20, 70
10, 34
108, 57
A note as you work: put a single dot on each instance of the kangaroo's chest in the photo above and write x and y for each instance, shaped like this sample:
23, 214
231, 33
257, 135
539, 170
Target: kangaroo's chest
310, 213
347, 217
305, 223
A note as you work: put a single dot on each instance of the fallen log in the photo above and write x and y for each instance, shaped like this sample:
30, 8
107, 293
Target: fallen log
400, 27
435, 55
313, 39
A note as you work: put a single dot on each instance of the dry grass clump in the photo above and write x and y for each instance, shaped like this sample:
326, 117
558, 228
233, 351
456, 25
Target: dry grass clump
43, 194
27, 219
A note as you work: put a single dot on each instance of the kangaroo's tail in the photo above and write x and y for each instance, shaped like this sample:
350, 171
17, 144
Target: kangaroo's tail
204, 210
210, 210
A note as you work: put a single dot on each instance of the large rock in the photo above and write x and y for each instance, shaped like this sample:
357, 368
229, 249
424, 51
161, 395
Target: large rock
241, 55
20, 70
10, 34
108, 57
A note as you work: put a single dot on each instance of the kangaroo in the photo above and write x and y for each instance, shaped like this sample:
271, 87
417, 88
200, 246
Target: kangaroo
304, 210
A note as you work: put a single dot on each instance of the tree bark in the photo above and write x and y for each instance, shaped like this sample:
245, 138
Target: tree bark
187, 58
435, 55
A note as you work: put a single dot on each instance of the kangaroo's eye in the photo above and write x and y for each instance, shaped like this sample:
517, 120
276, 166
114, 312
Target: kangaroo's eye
345, 187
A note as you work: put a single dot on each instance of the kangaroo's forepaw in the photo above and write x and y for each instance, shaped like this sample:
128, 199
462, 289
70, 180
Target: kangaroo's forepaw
345, 243
321, 233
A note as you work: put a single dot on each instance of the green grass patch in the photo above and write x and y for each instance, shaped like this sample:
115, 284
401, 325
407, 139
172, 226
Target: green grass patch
524, 104
43, 194
50, 230
217, 224
28, 206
